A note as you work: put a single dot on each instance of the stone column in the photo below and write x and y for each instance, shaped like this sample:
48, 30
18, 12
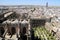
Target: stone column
29, 30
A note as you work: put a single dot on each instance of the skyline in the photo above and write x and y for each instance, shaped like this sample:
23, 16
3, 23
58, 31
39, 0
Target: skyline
30, 2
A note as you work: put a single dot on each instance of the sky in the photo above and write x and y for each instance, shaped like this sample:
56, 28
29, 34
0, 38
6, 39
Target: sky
30, 2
